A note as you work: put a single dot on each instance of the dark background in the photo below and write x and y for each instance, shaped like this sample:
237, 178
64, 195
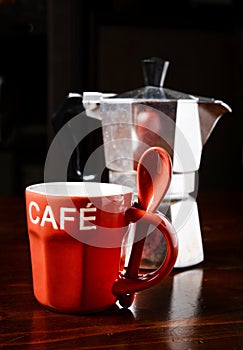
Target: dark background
48, 48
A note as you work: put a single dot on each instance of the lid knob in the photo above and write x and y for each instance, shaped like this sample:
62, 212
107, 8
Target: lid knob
154, 71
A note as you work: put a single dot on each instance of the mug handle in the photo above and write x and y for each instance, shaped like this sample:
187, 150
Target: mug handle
125, 286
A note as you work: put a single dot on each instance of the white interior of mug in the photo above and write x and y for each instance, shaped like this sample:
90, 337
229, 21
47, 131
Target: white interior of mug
79, 189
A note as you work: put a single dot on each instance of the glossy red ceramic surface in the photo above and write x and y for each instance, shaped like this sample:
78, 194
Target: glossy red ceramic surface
76, 241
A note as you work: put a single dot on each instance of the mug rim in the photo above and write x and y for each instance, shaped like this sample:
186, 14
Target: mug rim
72, 188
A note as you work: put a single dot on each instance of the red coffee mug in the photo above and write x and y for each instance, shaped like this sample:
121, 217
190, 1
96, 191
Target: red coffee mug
76, 233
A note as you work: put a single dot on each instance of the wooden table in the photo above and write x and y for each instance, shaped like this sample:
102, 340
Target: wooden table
196, 308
